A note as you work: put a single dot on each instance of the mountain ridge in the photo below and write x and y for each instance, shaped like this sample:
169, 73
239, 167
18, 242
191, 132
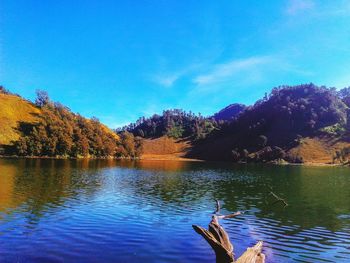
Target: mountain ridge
229, 112
298, 124
275, 128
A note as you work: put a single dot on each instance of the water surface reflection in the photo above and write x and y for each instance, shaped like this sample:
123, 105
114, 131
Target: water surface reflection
142, 211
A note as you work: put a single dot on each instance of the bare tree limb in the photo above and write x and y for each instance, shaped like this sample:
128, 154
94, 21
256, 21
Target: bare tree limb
217, 207
230, 215
278, 199
253, 254
219, 240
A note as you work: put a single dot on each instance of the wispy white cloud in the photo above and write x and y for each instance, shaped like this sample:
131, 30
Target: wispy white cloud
240, 74
334, 8
318, 9
167, 80
299, 6
226, 71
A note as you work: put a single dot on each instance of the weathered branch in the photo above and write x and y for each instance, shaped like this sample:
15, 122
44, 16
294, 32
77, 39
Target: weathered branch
219, 240
217, 207
253, 254
230, 215
278, 199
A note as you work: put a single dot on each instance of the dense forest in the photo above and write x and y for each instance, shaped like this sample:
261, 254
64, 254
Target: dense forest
230, 112
61, 133
281, 119
174, 123
288, 112
267, 131
264, 131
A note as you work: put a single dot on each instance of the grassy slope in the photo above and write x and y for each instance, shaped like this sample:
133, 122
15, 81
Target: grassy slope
14, 110
165, 148
316, 150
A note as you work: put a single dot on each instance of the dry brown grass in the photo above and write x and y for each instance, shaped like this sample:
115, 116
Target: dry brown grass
314, 151
14, 110
165, 148
317, 150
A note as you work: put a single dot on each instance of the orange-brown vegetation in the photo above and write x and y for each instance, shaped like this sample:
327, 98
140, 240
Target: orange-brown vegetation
318, 150
14, 110
8, 198
298, 124
50, 129
165, 148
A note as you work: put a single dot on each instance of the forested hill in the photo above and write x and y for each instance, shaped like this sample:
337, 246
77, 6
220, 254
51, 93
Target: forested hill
50, 129
304, 123
293, 123
174, 123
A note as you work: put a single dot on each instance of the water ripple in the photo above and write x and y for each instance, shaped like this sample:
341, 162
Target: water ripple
127, 212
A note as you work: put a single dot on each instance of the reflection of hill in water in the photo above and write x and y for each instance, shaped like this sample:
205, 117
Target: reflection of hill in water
316, 196
156, 165
110, 201
8, 199
35, 185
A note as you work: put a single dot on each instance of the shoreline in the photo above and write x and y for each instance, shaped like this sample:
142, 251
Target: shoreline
154, 157
176, 158
65, 158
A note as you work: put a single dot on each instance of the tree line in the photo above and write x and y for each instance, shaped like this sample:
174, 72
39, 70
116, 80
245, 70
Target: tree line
59, 132
175, 123
261, 132
278, 121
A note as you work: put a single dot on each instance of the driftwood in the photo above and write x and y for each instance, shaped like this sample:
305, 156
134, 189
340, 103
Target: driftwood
278, 199
219, 240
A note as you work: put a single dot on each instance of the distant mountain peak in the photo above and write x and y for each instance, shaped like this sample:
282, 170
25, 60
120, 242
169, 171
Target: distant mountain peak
229, 112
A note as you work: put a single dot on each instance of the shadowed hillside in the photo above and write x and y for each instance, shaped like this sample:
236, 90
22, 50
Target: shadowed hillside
298, 124
230, 112
302, 123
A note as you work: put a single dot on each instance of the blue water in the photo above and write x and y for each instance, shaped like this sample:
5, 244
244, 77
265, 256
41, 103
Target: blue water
113, 211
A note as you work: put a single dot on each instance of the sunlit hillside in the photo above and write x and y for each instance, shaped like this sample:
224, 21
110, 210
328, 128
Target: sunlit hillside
165, 148
29, 127
13, 110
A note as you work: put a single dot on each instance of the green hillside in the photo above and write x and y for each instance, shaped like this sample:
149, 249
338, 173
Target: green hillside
298, 124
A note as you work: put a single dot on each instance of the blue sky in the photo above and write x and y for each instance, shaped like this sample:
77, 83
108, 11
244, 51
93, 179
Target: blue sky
119, 60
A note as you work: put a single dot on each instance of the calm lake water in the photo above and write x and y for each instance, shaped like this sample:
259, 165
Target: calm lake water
113, 211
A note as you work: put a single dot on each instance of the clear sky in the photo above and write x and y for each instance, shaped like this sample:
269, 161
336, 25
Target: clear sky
119, 60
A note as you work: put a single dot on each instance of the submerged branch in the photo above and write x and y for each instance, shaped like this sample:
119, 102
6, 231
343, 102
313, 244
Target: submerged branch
278, 199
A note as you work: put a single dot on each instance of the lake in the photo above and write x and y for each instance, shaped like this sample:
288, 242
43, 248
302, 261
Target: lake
143, 211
